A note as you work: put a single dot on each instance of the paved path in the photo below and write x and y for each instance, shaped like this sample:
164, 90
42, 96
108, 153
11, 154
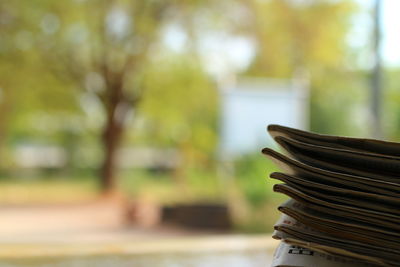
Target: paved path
137, 246
25, 222
183, 251
97, 234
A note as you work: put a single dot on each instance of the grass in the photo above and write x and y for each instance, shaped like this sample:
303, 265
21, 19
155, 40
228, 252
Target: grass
75, 188
47, 191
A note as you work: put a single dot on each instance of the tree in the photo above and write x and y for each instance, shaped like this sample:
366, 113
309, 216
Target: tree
104, 50
309, 36
101, 47
292, 34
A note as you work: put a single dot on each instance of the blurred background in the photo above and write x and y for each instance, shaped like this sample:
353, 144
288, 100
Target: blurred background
143, 120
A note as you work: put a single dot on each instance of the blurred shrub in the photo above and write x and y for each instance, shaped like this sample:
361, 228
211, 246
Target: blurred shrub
252, 177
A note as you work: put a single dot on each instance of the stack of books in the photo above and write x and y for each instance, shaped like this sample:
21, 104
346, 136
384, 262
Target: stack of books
344, 206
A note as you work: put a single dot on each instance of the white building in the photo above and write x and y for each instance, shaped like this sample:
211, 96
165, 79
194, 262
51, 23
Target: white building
250, 104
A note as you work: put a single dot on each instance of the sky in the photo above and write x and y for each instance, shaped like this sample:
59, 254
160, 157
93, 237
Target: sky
391, 32
390, 26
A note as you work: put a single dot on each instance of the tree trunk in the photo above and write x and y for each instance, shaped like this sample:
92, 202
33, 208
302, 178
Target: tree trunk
111, 139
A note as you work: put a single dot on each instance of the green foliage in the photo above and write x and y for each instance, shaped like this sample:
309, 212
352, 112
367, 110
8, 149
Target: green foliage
252, 177
312, 38
391, 107
335, 112
304, 35
180, 107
